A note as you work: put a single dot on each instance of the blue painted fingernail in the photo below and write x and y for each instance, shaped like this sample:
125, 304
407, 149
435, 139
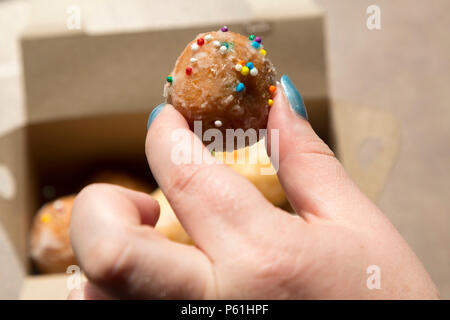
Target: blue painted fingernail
294, 97
154, 113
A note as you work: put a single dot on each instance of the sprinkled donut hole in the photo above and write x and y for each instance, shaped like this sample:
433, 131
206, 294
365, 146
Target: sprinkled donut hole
224, 80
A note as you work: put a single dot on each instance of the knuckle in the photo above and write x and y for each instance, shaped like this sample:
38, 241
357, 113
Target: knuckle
308, 149
281, 261
273, 267
91, 189
85, 198
315, 146
185, 177
279, 269
92, 192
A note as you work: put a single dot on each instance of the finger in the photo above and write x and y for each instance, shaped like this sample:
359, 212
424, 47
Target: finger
87, 291
126, 259
314, 180
216, 206
138, 207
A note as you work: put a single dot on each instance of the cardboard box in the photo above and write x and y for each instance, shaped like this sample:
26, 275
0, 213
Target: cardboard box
88, 94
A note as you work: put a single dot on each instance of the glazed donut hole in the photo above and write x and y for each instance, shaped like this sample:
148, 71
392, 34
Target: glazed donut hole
223, 80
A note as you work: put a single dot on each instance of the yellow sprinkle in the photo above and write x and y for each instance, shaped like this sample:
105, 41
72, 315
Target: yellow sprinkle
45, 218
263, 52
270, 102
245, 70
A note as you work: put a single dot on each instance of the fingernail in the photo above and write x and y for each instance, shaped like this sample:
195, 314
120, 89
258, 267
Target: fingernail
154, 113
294, 97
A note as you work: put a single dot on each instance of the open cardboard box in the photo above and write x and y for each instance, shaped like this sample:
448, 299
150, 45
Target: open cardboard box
89, 93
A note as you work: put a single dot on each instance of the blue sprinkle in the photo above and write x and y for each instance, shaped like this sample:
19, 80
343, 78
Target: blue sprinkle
225, 44
250, 65
240, 87
256, 44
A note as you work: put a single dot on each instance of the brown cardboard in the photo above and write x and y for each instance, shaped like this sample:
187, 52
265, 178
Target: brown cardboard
88, 95
85, 73
14, 208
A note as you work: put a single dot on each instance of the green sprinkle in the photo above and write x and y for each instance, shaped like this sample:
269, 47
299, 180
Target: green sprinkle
169, 79
213, 153
251, 38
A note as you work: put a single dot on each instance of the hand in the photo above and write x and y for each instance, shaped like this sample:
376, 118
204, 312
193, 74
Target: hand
245, 247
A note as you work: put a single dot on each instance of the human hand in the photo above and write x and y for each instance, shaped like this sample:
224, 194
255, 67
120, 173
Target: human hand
245, 247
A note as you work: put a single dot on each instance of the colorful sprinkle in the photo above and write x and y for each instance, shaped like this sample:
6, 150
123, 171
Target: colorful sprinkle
188, 71
200, 41
245, 70
258, 39
272, 89
263, 52
208, 37
270, 102
193, 60
194, 47
238, 67
218, 123
250, 65
251, 37
226, 44
216, 43
256, 45
254, 72
169, 79
224, 29
241, 62
45, 218
240, 87
223, 49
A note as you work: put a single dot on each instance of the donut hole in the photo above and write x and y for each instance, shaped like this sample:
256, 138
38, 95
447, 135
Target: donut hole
65, 156
219, 93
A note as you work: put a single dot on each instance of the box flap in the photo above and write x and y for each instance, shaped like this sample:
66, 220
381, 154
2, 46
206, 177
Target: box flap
11, 270
14, 211
15, 184
13, 16
98, 16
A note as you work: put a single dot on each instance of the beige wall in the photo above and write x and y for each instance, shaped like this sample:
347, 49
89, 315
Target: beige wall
404, 68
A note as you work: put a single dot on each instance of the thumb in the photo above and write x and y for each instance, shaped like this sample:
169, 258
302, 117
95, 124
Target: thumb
315, 182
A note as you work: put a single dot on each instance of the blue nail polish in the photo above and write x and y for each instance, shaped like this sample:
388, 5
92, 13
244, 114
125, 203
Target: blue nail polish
294, 97
154, 113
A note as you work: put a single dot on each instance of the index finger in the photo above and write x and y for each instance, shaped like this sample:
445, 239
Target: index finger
214, 204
